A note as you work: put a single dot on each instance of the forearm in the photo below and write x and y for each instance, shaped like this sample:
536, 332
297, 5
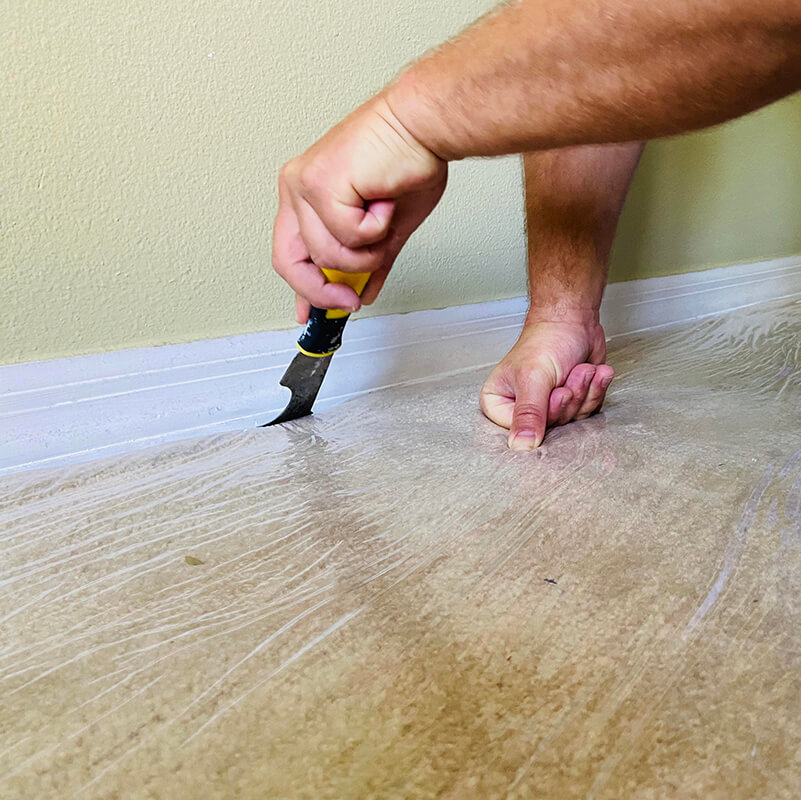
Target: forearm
573, 201
539, 74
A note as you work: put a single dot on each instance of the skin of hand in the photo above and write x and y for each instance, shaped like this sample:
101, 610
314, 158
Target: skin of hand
555, 373
350, 202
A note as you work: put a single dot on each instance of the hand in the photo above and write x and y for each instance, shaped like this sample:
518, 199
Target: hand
350, 202
553, 375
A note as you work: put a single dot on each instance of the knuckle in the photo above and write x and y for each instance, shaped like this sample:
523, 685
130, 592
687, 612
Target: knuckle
528, 412
320, 257
345, 258
579, 398
287, 173
350, 238
309, 178
354, 239
566, 414
523, 375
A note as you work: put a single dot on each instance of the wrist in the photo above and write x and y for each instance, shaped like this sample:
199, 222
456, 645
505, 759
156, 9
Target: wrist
587, 316
411, 104
381, 104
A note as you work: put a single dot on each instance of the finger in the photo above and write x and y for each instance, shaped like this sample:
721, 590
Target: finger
290, 260
351, 219
596, 392
532, 393
407, 222
326, 251
302, 309
578, 382
374, 285
309, 282
497, 400
410, 211
560, 397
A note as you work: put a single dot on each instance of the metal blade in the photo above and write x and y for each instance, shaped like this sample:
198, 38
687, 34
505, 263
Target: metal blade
303, 377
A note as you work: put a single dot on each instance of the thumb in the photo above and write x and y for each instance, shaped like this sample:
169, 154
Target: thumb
377, 218
357, 225
530, 415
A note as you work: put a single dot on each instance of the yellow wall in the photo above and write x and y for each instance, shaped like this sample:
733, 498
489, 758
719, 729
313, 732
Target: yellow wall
722, 196
141, 143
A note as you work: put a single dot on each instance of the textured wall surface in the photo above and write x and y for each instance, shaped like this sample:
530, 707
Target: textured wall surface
722, 196
141, 145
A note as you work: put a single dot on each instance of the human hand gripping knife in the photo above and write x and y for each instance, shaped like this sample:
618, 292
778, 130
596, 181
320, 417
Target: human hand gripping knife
320, 339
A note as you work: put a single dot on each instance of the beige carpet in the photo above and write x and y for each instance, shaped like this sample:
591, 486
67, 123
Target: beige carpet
383, 602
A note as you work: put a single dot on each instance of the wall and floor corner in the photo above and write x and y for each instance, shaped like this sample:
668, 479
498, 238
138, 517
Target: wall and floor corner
74, 409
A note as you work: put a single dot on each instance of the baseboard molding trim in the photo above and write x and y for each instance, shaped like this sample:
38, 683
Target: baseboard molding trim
74, 409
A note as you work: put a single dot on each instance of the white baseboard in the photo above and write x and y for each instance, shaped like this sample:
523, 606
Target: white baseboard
72, 409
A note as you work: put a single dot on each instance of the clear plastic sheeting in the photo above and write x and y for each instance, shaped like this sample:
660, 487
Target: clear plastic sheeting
383, 601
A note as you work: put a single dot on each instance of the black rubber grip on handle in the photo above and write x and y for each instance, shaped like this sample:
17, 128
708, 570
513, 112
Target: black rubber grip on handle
321, 335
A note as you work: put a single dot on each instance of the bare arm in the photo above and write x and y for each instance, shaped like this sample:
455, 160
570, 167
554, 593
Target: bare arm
574, 197
555, 372
538, 74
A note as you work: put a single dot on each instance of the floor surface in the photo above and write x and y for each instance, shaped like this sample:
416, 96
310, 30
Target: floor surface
382, 601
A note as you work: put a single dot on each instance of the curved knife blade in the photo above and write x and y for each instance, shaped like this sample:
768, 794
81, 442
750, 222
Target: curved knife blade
303, 377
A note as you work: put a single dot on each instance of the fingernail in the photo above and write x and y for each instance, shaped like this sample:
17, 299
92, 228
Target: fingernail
605, 382
523, 440
588, 378
563, 403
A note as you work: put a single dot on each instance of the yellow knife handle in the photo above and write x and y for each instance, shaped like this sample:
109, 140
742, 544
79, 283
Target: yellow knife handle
322, 335
356, 280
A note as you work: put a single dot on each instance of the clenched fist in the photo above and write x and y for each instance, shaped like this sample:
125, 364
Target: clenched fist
350, 202
553, 375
